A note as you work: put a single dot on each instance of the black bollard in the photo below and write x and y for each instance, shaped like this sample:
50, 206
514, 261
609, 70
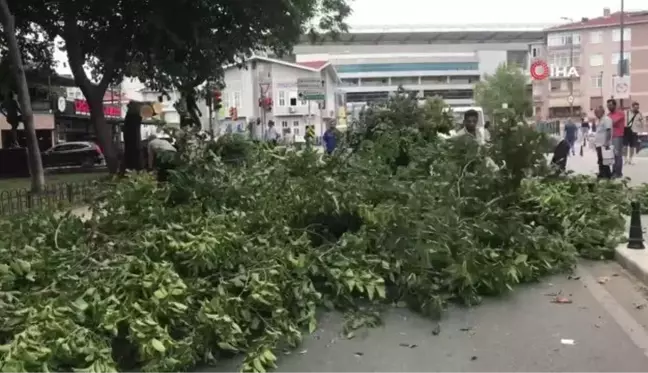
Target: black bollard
635, 236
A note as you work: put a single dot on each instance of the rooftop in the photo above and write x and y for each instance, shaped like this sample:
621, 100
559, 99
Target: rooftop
438, 34
607, 20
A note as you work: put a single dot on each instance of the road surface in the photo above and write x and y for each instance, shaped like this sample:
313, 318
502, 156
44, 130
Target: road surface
522, 332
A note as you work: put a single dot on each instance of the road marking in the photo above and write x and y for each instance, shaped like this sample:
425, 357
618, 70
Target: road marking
628, 324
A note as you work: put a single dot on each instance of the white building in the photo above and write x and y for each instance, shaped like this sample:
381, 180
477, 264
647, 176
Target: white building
276, 79
444, 61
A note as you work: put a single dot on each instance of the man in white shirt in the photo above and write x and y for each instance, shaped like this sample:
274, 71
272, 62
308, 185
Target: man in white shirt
471, 117
631, 133
271, 134
602, 140
161, 156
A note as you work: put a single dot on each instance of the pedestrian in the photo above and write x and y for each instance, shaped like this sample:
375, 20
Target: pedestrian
631, 135
161, 157
561, 152
602, 141
271, 134
585, 130
618, 130
330, 138
471, 117
571, 135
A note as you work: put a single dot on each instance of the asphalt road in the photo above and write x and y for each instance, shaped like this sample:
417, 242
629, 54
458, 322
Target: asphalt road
524, 331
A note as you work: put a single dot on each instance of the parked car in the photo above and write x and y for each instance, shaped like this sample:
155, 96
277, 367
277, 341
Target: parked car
84, 154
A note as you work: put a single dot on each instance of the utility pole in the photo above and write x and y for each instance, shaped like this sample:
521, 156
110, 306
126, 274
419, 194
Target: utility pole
622, 60
571, 78
570, 40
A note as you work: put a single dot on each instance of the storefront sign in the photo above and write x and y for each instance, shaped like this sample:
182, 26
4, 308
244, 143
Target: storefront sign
540, 71
81, 107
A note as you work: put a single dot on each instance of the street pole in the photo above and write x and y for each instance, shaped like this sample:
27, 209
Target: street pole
621, 48
571, 79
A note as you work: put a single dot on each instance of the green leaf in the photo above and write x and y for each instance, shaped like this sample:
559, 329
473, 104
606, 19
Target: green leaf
226, 346
380, 289
157, 345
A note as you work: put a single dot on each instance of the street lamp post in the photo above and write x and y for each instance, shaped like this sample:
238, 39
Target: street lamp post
622, 60
570, 40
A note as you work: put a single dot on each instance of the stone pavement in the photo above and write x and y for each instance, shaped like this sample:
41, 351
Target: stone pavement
638, 172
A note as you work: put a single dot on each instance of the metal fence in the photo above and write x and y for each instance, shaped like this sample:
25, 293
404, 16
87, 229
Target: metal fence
54, 196
549, 127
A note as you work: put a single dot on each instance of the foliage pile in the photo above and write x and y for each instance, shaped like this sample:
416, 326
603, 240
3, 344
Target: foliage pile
237, 257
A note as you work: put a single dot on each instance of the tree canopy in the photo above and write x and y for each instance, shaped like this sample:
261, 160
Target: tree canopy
178, 44
507, 86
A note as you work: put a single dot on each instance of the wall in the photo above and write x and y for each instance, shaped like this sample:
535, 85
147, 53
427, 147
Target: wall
639, 65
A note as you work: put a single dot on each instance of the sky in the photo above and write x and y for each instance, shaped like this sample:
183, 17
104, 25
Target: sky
466, 12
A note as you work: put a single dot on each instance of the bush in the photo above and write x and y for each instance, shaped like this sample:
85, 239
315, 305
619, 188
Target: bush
236, 257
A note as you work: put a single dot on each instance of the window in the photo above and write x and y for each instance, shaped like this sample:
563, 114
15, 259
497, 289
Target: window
559, 40
597, 81
555, 85
596, 37
293, 98
282, 98
237, 100
596, 60
617, 56
303, 102
616, 34
284, 123
296, 131
565, 59
225, 100
296, 123
535, 52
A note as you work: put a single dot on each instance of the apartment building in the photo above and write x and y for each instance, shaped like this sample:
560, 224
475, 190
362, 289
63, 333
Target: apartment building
265, 89
592, 47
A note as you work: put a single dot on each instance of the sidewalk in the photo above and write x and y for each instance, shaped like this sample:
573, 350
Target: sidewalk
634, 261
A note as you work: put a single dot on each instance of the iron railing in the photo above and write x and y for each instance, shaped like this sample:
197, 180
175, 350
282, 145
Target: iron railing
54, 196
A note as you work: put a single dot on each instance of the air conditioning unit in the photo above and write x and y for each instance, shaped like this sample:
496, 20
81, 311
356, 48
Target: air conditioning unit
292, 110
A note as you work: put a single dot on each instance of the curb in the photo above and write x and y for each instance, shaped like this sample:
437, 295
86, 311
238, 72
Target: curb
633, 261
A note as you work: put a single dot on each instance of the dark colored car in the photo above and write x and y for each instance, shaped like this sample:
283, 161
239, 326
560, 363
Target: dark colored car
84, 154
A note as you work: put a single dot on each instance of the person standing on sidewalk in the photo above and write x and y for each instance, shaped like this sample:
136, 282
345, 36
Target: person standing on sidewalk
585, 130
602, 140
571, 135
631, 136
618, 130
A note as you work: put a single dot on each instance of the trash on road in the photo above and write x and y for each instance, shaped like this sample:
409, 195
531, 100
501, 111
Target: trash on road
567, 342
408, 345
436, 330
359, 354
561, 300
603, 280
473, 358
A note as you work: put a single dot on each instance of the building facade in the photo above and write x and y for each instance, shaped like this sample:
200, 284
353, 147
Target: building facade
373, 62
593, 48
265, 89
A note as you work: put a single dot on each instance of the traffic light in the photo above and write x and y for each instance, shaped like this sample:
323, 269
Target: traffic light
218, 101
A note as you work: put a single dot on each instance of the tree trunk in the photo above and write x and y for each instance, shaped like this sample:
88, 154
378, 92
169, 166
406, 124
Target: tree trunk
14, 136
133, 137
103, 130
33, 152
